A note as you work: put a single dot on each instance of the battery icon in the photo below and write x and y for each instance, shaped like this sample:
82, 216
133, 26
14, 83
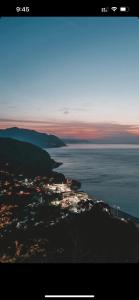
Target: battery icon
124, 8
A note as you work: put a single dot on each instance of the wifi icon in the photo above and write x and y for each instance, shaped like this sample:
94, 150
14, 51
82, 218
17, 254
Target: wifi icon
114, 8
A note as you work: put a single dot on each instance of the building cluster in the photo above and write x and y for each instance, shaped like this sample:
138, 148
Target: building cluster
74, 201
62, 194
11, 185
34, 192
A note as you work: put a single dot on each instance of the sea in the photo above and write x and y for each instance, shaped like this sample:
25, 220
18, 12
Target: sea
107, 172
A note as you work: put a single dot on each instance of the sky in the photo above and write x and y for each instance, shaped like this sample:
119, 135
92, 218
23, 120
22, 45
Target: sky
70, 76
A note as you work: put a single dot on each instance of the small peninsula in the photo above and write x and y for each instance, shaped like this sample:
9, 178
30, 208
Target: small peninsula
42, 140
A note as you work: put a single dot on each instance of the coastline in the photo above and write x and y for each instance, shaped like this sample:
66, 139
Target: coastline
48, 218
103, 173
43, 211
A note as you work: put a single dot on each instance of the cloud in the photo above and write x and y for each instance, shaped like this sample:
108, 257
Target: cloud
66, 112
87, 130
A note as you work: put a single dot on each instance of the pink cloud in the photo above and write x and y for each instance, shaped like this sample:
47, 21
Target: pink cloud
84, 130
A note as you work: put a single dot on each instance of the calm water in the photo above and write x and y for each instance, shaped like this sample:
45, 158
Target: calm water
109, 172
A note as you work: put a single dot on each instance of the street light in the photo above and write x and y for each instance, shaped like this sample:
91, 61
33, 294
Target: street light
118, 208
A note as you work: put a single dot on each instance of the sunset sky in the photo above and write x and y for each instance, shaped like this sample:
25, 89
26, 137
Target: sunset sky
73, 77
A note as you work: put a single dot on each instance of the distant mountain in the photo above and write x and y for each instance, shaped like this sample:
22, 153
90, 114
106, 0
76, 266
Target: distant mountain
115, 139
42, 140
25, 158
76, 141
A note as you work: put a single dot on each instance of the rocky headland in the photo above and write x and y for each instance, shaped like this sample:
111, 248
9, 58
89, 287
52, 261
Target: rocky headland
40, 139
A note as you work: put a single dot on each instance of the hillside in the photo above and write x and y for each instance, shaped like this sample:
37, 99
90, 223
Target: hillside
56, 235
22, 157
42, 140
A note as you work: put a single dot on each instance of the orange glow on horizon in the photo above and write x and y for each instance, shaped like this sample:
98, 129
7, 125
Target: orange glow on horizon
134, 131
60, 129
74, 129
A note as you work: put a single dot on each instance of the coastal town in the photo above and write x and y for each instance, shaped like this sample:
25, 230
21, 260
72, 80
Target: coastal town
31, 206
43, 191
18, 187
31, 193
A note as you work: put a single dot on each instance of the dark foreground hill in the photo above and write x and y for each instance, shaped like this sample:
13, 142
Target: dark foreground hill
42, 140
93, 236
21, 157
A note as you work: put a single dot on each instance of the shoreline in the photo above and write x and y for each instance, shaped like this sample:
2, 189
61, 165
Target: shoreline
100, 177
44, 209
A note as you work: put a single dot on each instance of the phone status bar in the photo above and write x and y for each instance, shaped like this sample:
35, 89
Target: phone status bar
84, 9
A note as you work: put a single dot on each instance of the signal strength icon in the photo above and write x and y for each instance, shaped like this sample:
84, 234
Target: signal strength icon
104, 9
114, 8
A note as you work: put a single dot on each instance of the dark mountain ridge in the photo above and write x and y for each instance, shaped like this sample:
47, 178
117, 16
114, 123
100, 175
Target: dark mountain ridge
42, 140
